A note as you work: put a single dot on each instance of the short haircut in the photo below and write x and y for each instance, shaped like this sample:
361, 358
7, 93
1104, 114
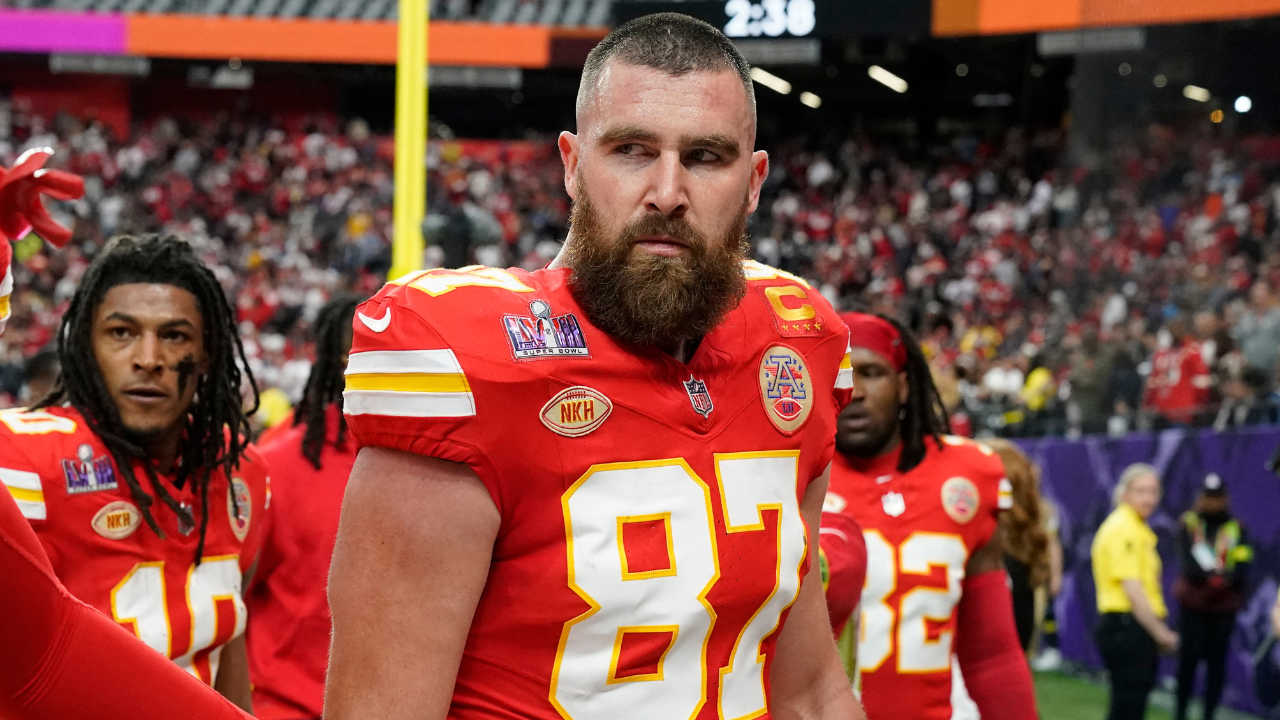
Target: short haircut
1131, 473
673, 43
43, 365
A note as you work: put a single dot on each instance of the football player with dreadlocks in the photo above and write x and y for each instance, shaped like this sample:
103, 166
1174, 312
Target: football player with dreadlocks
135, 472
289, 623
928, 504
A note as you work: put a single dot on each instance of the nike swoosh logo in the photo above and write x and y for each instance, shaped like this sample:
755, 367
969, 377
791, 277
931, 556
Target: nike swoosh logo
376, 325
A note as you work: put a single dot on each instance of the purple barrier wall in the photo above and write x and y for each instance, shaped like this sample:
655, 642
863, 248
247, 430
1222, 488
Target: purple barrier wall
1079, 475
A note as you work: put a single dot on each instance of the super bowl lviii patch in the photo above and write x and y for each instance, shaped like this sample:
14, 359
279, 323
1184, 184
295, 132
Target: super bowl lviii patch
117, 520
239, 511
576, 411
960, 499
784, 388
87, 473
542, 335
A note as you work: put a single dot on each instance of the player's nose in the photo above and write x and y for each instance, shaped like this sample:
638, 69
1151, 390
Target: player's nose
668, 190
146, 353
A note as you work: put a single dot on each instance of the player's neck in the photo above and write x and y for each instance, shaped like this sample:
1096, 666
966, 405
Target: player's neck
163, 449
884, 462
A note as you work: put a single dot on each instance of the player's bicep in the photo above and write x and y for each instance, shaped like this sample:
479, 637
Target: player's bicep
411, 561
988, 558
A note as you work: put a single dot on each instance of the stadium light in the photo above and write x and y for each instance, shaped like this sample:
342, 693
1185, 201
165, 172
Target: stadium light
1193, 92
771, 81
1243, 104
811, 100
1160, 81
962, 70
888, 79
1216, 116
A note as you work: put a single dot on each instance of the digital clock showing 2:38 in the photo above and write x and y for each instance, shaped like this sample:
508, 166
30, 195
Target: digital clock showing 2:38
769, 18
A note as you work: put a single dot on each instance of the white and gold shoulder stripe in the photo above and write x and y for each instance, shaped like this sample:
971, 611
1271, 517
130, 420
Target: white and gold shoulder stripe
27, 492
844, 378
407, 383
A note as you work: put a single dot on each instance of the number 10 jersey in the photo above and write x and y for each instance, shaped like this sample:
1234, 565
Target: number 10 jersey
651, 540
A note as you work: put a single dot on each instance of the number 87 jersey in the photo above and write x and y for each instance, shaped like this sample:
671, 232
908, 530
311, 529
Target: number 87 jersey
651, 540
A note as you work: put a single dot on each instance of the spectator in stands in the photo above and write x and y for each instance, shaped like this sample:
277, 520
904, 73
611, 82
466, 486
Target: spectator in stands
1091, 366
40, 375
1215, 556
1178, 387
1258, 331
1131, 630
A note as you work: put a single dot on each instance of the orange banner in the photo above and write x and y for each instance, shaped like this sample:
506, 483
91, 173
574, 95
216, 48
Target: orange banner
304, 40
993, 17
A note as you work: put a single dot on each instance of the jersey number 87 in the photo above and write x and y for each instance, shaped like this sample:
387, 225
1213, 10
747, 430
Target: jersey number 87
663, 606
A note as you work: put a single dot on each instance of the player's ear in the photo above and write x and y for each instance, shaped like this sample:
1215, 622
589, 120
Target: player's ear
568, 144
759, 172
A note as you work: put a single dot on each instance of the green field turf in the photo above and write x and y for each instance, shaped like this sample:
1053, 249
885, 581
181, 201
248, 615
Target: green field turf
1067, 698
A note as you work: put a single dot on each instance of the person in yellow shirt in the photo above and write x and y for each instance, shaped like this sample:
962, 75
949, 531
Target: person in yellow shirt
1126, 570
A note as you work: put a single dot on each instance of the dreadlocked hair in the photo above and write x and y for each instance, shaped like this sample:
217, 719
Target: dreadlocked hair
923, 415
217, 430
327, 379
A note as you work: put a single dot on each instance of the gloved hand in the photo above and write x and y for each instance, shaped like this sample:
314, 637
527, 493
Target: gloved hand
21, 209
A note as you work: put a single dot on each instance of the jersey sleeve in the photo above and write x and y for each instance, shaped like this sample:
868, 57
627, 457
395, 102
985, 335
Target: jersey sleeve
406, 388
18, 472
843, 554
254, 473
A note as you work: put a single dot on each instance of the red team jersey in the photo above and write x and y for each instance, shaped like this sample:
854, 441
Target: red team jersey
920, 529
651, 540
289, 623
68, 488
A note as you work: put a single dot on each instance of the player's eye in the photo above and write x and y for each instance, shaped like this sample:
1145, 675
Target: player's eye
702, 156
118, 333
629, 149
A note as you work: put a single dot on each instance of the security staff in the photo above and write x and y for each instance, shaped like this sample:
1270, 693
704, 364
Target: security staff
1126, 569
1210, 590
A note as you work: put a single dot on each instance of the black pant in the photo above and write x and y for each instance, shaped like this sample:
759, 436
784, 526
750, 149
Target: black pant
1205, 637
1024, 600
1130, 655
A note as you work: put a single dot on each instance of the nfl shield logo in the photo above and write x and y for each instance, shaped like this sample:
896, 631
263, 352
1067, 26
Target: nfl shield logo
699, 396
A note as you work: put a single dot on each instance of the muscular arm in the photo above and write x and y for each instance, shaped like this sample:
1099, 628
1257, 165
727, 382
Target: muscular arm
411, 561
233, 675
994, 666
807, 679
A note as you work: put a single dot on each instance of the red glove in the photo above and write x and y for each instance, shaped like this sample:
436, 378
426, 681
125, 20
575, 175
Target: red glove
995, 668
21, 210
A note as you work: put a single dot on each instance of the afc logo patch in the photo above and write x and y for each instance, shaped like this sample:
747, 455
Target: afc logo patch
793, 314
239, 510
784, 388
960, 499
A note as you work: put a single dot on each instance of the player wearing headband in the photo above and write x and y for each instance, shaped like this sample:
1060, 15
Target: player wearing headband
928, 504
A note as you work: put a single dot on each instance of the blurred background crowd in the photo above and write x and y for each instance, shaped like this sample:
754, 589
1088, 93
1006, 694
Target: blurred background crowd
1056, 293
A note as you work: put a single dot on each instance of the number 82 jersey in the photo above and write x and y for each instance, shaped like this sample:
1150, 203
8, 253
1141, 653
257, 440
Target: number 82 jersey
651, 540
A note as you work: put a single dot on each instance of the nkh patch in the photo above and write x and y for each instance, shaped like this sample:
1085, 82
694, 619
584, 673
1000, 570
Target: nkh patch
117, 520
960, 499
87, 473
576, 411
239, 510
542, 334
784, 388
699, 396
893, 503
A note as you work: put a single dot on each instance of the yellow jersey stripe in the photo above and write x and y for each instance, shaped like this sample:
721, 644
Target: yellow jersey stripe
409, 382
35, 496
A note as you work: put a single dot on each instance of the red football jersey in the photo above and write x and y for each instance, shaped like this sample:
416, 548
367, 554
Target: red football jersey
920, 528
67, 486
651, 540
289, 623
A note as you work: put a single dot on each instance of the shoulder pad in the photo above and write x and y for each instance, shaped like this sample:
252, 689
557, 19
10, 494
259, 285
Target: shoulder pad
440, 281
756, 271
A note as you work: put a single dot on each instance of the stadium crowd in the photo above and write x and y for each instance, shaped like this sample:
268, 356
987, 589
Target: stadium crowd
1127, 289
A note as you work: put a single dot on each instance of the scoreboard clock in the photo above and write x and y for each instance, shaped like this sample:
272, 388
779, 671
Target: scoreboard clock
769, 18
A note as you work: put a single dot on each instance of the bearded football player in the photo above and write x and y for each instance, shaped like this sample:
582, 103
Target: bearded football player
928, 504
591, 491
135, 473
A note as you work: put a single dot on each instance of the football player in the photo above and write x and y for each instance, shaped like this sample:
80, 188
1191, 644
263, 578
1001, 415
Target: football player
63, 659
289, 626
135, 473
928, 504
590, 491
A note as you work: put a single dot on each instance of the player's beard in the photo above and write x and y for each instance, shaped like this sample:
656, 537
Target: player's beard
649, 299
